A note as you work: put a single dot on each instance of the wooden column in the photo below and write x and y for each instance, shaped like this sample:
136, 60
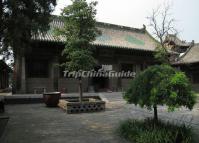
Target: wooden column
55, 74
17, 73
23, 75
119, 80
3, 79
138, 68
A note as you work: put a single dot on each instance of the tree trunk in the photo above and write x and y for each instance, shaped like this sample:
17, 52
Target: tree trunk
155, 113
80, 90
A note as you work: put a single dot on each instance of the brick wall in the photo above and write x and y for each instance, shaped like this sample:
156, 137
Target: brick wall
125, 83
71, 85
195, 87
33, 83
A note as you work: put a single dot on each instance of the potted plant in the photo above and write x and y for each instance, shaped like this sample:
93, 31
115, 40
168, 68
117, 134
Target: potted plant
51, 99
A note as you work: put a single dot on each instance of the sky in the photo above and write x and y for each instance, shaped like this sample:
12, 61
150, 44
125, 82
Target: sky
134, 13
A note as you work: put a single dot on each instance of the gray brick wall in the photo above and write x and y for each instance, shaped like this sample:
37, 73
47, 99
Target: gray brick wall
125, 83
71, 85
195, 87
33, 83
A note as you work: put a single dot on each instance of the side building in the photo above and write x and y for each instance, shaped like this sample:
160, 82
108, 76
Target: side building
119, 48
4, 75
187, 59
189, 63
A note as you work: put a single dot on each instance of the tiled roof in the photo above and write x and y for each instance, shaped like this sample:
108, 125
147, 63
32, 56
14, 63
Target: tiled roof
191, 56
177, 41
112, 36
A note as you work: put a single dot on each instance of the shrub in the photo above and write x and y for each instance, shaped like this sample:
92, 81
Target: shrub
147, 131
161, 85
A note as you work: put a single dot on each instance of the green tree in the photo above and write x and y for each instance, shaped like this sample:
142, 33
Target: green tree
20, 19
79, 31
161, 85
161, 55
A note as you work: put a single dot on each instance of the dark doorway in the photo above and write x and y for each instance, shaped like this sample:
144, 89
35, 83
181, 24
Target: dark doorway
100, 83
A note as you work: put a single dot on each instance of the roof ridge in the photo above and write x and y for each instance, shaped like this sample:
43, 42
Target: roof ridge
142, 30
99, 23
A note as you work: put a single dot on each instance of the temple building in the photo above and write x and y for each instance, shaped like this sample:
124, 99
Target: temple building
176, 44
189, 63
187, 59
118, 48
4, 75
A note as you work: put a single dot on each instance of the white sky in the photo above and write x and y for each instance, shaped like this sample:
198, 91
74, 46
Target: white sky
133, 13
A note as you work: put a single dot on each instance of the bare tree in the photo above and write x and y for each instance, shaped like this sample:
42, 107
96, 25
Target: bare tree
162, 24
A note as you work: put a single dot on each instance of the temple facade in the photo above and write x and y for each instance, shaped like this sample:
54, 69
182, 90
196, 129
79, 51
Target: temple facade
119, 48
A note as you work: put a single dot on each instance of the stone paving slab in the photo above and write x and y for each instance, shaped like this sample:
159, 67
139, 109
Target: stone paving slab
31, 123
36, 123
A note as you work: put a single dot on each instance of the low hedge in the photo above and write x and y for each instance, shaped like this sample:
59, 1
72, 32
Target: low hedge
147, 131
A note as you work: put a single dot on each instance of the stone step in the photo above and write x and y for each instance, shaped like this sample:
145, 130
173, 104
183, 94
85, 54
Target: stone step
38, 98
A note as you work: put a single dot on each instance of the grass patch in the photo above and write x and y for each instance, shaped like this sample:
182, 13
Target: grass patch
147, 131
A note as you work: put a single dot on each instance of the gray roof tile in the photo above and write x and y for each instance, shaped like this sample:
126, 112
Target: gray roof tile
112, 36
191, 56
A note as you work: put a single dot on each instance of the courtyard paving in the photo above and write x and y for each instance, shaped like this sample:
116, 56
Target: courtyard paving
31, 123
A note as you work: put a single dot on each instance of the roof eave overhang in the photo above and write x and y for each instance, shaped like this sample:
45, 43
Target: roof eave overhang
99, 45
186, 63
